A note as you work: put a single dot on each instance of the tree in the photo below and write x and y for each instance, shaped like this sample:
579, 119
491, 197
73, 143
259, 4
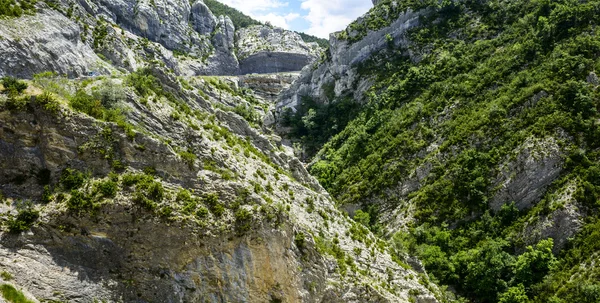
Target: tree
534, 264
515, 294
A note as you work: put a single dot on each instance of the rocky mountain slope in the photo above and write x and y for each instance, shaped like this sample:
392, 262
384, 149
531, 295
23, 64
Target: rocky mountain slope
465, 132
83, 37
125, 177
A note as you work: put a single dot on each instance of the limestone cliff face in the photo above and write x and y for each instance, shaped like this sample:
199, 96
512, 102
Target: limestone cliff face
269, 233
264, 49
80, 38
43, 42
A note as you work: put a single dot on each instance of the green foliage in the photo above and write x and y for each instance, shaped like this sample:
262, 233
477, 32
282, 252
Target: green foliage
188, 157
515, 294
144, 82
16, 8
490, 76
248, 113
23, 220
362, 217
148, 192
48, 101
324, 43
108, 188
212, 200
315, 123
6, 276
243, 220
72, 179
13, 86
533, 265
80, 202
300, 241
12, 295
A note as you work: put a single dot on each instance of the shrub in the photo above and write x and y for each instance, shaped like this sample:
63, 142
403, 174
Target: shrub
12, 86
300, 241
13, 295
144, 82
87, 104
48, 102
107, 189
79, 202
23, 221
71, 179
6, 276
243, 220
188, 158
515, 294
202, 212
110, 94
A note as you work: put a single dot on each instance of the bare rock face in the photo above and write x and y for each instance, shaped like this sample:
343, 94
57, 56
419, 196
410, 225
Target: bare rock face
264, 49
268, 86
523, 180
202, 18
561, 224
47, 41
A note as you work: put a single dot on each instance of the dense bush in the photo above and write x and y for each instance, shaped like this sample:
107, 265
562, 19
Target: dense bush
16, 8
48, 101
13, 87
13, 295
23, 220
72, 179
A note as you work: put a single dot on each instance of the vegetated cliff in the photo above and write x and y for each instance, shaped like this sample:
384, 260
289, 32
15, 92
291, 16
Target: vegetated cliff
467, 133
158, 189
147, 185
78, 38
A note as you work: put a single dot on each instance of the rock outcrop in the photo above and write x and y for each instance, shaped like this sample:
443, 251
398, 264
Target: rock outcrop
263, 49
340, 68
186, 36
47, 41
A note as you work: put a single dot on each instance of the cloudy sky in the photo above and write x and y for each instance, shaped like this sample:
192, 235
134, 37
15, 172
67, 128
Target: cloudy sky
315, 17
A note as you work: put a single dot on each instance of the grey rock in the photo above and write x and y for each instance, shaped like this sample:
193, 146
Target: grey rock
523, 180
224, 37
203, 20
264, 49
47, 41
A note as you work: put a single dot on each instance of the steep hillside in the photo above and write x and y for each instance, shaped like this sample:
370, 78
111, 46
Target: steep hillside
124, 177
466, 132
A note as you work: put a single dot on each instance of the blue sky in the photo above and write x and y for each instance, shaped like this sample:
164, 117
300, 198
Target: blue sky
315, 17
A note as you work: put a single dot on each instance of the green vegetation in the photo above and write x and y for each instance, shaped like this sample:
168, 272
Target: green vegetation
23, 220
314, 123
489, 77
6, 276
13, 86
324, 43
48, 102
16, 8
13, 295
148, 192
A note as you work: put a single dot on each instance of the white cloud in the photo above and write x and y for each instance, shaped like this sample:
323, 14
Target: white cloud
328, 16
262, 10
252, 7
278, 20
